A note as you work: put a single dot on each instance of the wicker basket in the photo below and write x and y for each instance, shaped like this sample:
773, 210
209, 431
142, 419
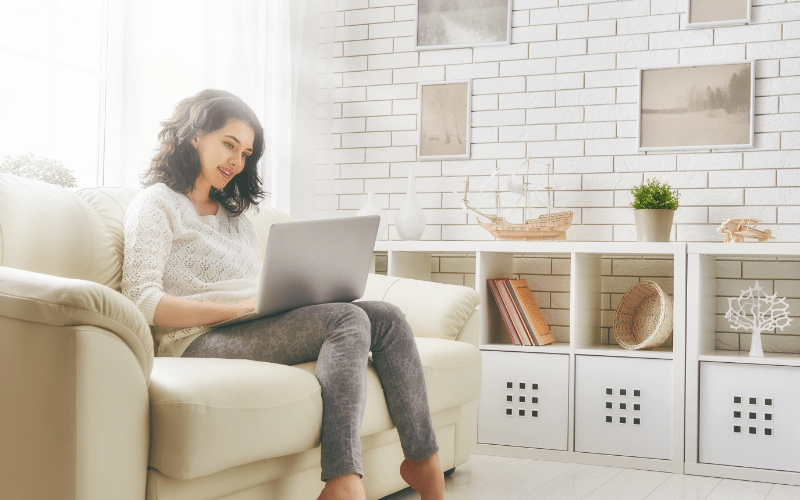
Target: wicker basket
644, 317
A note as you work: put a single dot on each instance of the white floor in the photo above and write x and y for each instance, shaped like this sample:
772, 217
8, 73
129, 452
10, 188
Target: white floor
486, 477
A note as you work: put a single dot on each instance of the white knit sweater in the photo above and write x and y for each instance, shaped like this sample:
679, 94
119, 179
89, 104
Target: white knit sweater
169, 249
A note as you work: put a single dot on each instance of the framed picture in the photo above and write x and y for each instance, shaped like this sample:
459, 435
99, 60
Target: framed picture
444, 120
703, 13
697, 107
448, 24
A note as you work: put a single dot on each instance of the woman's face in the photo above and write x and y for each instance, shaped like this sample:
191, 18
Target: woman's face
223, 153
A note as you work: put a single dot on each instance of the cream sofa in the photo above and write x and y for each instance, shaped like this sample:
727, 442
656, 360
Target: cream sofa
87, 412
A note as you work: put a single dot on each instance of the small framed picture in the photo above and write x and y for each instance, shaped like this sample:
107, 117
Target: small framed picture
444, 120
704, 13
697, 107
449, 24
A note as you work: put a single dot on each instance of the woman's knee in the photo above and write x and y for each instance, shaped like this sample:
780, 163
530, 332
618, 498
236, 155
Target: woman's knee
347, 317
393, 312
353, 313
392, 319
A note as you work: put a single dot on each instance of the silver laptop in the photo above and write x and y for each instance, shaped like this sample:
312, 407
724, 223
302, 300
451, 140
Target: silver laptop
313, 262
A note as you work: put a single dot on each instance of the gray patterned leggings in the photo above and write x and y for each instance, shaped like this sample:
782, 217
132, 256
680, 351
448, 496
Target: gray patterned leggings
339, 337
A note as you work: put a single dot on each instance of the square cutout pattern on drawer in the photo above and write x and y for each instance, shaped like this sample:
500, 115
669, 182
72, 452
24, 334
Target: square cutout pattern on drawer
753, 414
622, 406
522, 398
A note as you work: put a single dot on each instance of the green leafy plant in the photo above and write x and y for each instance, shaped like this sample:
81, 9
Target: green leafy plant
654, 195
37, 168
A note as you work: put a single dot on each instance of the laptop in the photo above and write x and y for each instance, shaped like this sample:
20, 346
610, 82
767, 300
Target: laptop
313, 262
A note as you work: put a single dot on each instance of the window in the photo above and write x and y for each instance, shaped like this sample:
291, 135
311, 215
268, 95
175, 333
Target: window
87, 83
52, 57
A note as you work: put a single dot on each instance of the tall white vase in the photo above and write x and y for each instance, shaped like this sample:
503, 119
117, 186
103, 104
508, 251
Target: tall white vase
410, 219
372, 208
755, 344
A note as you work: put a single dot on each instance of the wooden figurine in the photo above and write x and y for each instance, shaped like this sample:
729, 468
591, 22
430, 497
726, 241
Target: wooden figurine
549, 226
736, 230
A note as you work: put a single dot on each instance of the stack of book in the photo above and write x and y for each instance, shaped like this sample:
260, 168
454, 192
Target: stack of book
521, 314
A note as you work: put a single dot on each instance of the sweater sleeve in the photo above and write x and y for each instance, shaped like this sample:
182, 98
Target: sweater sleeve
148, 231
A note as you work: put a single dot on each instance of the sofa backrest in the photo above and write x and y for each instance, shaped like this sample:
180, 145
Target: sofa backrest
76, 233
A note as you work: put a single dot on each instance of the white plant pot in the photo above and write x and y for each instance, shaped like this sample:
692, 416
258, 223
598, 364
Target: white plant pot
372, 208
410, 219
653, 224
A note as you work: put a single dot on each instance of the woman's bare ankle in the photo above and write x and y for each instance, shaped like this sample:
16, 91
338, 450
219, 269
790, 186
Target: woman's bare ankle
425, 476
347, 487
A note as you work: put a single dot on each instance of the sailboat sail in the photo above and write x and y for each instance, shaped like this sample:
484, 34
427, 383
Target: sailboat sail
547, 226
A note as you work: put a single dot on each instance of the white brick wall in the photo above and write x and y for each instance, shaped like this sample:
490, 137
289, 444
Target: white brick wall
566, 92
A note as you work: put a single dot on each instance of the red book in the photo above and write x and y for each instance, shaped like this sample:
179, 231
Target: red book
513, 313
503, 312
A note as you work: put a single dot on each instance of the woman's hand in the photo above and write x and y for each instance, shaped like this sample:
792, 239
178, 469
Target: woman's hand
246, 306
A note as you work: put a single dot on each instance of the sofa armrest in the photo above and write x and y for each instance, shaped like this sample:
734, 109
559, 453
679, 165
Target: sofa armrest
55, 301
469, 332
433, 310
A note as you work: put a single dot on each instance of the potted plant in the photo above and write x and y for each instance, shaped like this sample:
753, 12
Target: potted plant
38, 168
654, 206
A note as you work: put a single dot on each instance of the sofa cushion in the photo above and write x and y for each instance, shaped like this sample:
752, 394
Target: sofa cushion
110, 204
48, 229
209, 415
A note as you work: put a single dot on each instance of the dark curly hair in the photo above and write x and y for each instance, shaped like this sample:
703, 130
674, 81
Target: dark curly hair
177, 162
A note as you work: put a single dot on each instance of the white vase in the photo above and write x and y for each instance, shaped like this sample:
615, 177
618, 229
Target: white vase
372, 208
410, 219
755, 344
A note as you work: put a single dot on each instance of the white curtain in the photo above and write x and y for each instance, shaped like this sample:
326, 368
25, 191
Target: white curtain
52, 84
264, 51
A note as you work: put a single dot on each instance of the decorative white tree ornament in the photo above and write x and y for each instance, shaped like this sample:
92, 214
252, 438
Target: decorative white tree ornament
756, 310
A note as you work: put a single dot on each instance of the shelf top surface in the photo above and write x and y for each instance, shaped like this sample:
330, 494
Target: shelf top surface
747, 248
615, 350
770, 358
600, 350
532, 247
554, 348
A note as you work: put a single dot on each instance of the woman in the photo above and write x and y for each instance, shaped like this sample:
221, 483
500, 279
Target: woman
191, 260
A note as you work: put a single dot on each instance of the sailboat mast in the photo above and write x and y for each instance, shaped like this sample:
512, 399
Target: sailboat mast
549, 190
525, 181
497, 193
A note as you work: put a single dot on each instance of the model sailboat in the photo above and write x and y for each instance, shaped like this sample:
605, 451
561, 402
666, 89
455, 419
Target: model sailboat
549, 226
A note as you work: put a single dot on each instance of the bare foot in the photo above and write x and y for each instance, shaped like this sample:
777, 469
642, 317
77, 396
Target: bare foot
425, 476
347, 487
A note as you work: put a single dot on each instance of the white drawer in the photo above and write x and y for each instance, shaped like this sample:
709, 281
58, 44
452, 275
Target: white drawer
524, 400
766, 414
623, 406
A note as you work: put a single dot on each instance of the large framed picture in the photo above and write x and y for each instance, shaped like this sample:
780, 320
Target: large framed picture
444, 120
697, 107
704, 13
448, 24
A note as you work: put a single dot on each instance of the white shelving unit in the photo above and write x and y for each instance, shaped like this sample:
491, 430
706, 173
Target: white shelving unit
743, 413
567, 421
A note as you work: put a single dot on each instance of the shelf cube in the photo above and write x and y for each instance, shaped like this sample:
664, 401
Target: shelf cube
749, 416
540, 420
639, 422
